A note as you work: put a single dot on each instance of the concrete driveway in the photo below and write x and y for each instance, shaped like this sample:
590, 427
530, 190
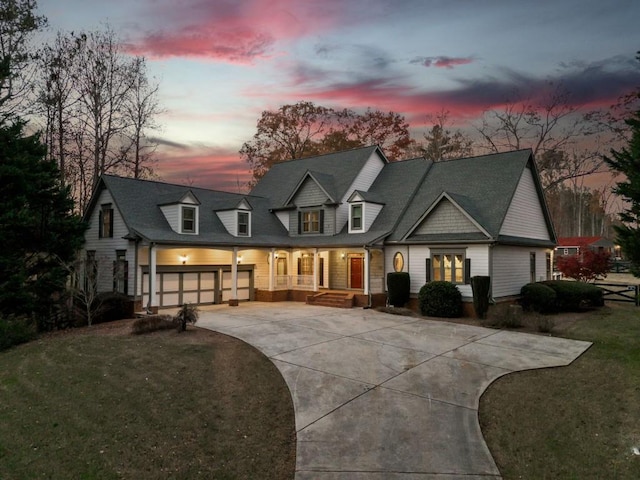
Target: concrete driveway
380, 396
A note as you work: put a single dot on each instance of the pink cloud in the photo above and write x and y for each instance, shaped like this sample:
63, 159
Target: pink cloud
235, 32
442, 61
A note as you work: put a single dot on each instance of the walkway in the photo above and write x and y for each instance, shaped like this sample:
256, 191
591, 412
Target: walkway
380, 396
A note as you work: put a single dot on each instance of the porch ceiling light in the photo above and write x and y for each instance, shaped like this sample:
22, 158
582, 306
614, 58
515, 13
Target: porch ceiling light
183, 259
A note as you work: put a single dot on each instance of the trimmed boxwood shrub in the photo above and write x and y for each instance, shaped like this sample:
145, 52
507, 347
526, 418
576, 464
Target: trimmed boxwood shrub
440, 299
480, 286
398, 287
110, 306
573, 296
538, 298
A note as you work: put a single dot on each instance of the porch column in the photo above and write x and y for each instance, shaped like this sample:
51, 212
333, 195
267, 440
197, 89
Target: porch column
152, 302
367, 259
233, 300
272, 259
315, 269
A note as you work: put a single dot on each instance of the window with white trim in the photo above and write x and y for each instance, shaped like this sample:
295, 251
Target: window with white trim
243, 224
356, 217
188, 220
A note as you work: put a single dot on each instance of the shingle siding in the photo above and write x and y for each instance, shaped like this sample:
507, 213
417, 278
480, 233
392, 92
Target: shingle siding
525, 217
445, 218
309, 194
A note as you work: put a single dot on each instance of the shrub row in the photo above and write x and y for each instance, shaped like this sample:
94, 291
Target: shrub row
152, 323
560, 296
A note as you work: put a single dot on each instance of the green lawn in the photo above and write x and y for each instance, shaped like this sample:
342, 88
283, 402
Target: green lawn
102, 404
575, 422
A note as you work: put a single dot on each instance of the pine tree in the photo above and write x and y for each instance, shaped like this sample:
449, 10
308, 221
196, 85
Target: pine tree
38, 231
627, 161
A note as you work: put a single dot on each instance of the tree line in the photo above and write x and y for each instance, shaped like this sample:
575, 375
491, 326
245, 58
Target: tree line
95, 105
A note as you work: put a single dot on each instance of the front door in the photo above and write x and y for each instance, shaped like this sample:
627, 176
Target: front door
357, 271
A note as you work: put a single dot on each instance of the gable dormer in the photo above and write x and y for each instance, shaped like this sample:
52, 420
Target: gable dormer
445, 216
237, 220
182, 211
363, 211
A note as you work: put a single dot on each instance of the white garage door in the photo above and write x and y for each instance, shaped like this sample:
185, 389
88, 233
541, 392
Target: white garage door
175, 288
244, 285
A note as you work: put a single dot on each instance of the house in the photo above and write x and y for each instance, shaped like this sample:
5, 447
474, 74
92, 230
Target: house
335, 222
573, 245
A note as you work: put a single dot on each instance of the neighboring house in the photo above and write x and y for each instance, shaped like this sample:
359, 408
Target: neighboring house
573, 245
340, 221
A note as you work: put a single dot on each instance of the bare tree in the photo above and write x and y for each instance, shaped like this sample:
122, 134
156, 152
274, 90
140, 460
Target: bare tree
442, 143
552, 127
141, 108
18, 23
104, 78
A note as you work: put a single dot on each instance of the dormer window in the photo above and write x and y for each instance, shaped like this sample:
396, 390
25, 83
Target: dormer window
243, 224
188, 219
311, 221
356, 217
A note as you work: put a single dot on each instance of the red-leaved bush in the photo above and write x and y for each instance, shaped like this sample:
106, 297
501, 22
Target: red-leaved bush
586, 266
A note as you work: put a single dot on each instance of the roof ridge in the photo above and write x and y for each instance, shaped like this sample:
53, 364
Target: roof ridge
325, 154
161, 182
485, 155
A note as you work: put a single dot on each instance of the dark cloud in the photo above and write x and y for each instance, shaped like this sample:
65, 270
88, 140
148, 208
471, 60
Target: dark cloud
442, 61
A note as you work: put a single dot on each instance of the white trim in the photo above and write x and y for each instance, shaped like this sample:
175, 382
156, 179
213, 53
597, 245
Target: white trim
195, 219
362, 217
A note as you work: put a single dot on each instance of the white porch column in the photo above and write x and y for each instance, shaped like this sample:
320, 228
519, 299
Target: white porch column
315, 269
367, 259
272, 260
233, 301
152, 278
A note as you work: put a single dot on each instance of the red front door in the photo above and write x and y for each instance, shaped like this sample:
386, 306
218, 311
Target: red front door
357, 271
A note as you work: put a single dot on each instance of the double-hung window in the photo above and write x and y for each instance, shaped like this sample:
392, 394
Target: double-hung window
243, 224
105, 229
188, 220
356, 217
311, 221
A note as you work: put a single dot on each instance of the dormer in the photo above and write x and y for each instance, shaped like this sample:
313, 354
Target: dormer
237, 220
363, 211
182, 211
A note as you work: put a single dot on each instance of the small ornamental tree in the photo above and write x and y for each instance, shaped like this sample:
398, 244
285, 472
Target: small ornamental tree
585, 267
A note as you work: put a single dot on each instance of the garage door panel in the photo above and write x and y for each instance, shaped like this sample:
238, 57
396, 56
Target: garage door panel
190, 281
206, 296
190, 297
170, 282
170, 299
207, 280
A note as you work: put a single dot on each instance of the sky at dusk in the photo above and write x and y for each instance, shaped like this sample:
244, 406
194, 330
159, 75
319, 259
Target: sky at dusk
220, 63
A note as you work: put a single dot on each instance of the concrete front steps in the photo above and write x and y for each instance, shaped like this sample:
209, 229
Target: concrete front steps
331, 299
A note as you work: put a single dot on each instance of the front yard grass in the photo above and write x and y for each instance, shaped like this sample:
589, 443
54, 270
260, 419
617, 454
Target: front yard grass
99, 403
575, 422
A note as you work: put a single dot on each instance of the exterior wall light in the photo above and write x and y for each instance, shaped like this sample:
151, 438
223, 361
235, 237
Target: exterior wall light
183, 259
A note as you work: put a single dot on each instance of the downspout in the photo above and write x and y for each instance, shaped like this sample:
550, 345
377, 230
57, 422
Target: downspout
135, 271
491, 299
368, 259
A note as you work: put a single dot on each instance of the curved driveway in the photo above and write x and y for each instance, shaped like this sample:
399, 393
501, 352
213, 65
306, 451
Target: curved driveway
380, 396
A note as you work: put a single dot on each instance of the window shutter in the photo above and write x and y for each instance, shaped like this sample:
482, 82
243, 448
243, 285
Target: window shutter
111, 223
299, 226
115, 275
467, 271
321, 221
427, 262
299, 266
100, 224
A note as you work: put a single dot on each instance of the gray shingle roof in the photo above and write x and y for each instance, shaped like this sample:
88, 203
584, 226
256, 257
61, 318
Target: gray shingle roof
483, 186
279, 183
138, 203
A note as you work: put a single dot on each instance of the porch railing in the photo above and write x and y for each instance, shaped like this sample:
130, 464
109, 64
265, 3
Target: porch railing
285, 282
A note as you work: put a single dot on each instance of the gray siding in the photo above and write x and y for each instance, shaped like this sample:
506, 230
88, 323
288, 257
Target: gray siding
525, 217
371, 211
172, 214
446, 218
309, 194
